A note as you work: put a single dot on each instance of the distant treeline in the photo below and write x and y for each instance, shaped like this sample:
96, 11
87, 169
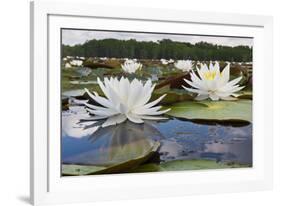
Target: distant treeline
165, 48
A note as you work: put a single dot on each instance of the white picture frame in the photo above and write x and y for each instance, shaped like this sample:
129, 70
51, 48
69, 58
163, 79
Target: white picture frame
47, 186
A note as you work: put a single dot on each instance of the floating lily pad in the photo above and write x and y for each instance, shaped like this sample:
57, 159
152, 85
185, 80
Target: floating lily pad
68, 170
75, 170
74, 93
240, 110
180, 165
172, 97
196, 165
247, 94
122, 148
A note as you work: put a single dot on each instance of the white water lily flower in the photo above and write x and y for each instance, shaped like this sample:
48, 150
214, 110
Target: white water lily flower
164, 61
125, 100
67, 65
171, 61
131, 66
213, 84
184, 65
103, 58
76, 62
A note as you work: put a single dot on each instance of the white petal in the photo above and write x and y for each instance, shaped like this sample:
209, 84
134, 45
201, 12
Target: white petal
202, 97
123, 108
101, 85
113, 96
135, 91
195, 90
95, 107
196, 80
146, 97
234, 81
134, 118
214, 97
235, 95
117, 119
151, 104
193, 84
124, 87
160, 112
101, 100
102, 112
217, 67
225, 75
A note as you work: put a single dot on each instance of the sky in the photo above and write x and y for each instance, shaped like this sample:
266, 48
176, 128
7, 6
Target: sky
72, 37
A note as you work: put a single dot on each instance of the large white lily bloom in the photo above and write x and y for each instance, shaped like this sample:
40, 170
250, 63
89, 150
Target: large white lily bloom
213, 84
184, 65
131, 66
125, 100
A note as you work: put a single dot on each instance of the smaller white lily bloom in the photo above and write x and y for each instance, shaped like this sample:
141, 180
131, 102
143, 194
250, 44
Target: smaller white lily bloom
125, 100
164, 61
213, 84
103, 58
184, 65
67, 65
130, 66
170, 61
64, 59
76, 62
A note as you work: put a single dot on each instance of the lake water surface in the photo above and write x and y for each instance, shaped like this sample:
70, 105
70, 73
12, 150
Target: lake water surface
85, 144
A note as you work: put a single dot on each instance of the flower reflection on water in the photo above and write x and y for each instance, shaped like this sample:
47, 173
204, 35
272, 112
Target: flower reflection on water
86, 143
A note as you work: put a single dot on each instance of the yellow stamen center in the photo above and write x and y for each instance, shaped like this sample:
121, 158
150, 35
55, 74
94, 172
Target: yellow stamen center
210, 75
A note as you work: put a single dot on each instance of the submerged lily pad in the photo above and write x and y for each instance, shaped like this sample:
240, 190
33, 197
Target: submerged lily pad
240, 110
75, 170
180, 165
121, 148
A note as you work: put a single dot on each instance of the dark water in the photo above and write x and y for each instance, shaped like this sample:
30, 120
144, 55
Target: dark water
83, 143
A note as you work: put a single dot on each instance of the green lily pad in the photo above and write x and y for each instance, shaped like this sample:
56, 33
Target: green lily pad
196, 165
247, 94
75, 170
240, 110
126, 146
175, 165
172, 97
180, 165
68, 170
